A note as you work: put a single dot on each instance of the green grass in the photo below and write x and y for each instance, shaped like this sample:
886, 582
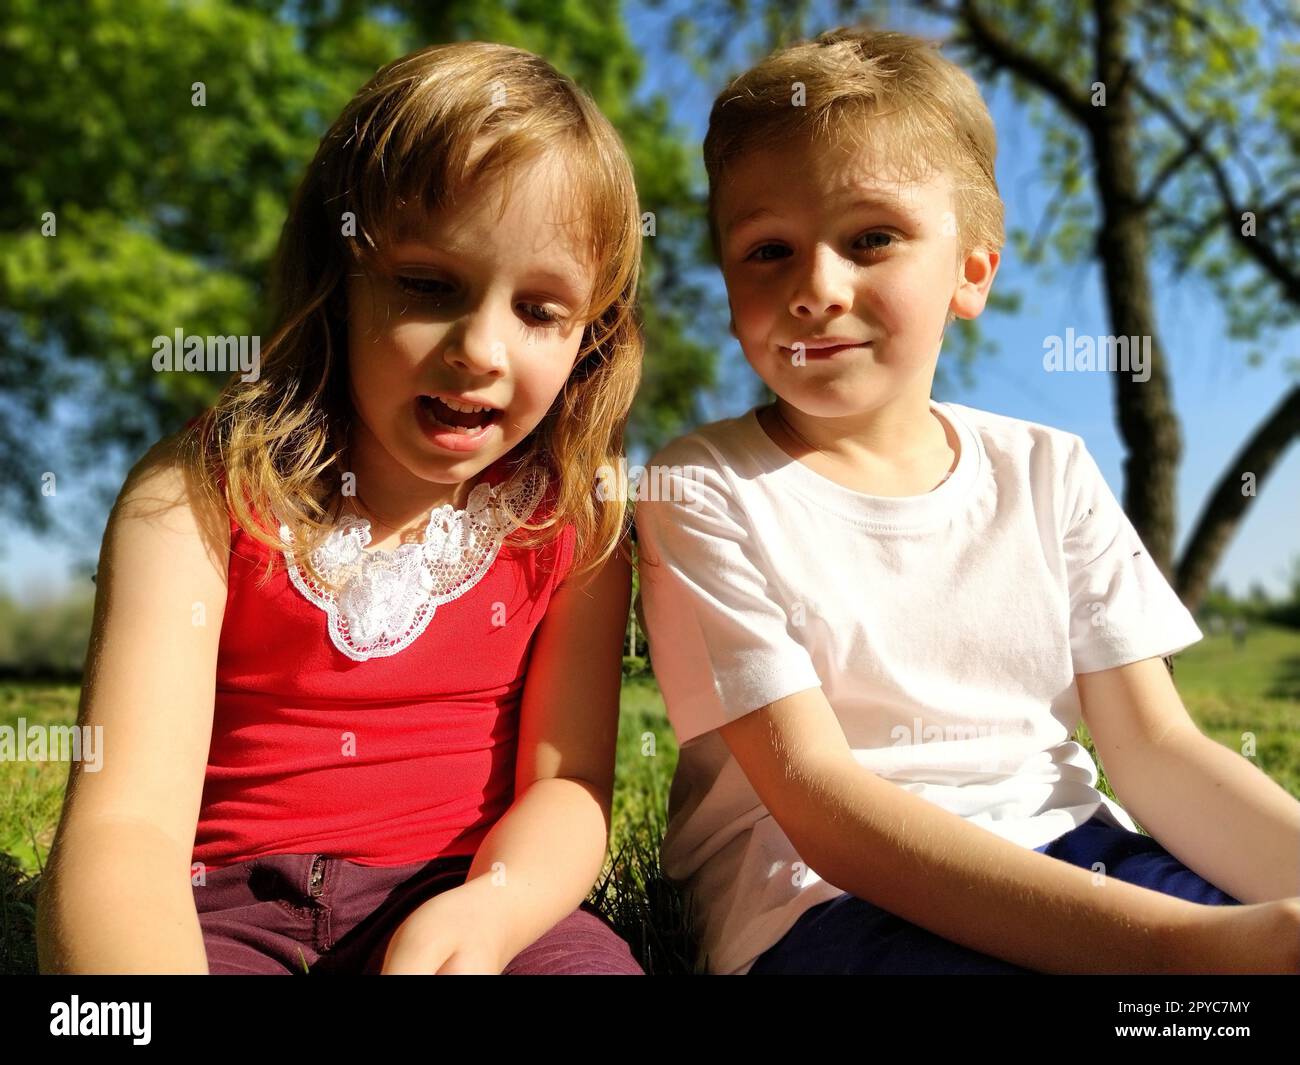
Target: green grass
1236, 695
1230, 692
31, 795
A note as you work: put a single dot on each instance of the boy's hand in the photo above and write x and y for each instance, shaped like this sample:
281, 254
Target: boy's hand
455, 933
1260, 938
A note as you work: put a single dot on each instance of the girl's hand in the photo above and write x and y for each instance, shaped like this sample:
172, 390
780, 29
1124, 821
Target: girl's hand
1262, 937
455, 933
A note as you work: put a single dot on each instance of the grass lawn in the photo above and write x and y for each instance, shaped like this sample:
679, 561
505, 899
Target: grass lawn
1236, 695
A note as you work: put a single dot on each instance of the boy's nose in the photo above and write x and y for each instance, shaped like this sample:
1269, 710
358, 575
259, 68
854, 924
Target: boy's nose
824, 288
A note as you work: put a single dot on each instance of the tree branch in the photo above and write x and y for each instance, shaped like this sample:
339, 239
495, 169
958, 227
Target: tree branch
1274, 264
1170, 168
990, 40
1225, 507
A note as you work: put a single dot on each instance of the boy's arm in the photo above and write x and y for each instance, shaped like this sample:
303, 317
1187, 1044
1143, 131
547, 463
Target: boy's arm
911, 857
1207, 805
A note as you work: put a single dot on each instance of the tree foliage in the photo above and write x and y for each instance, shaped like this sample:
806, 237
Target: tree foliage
165, 214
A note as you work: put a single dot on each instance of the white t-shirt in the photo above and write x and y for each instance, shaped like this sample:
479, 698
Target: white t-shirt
945, 630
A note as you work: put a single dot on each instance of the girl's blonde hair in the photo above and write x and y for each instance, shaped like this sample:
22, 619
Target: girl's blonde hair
859, 87
413, 138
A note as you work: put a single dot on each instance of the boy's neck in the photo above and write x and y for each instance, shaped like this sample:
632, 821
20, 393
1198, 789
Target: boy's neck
901, 450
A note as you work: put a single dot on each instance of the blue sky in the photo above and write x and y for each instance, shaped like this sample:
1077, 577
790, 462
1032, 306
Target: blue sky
1219, 398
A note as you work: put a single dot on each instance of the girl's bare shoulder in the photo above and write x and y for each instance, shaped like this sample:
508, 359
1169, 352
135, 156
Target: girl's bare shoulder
167, 501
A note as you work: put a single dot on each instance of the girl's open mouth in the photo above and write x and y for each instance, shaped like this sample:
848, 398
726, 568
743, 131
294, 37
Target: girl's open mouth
468, 423
454, 430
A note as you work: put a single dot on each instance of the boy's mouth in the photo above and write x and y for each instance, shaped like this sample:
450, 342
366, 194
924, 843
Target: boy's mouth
819, 349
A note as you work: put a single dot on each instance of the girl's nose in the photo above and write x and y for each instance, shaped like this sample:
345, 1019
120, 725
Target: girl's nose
824, 288
479, 350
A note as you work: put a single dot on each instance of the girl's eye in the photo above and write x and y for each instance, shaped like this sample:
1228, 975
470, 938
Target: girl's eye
540, 316
760, 255
875, 247
427, 287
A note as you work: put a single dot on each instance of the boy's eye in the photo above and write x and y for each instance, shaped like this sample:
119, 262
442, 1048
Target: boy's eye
539, 315
761, 253
874, 247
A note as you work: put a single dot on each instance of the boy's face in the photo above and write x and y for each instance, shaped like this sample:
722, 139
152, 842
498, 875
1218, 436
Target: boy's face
821, 246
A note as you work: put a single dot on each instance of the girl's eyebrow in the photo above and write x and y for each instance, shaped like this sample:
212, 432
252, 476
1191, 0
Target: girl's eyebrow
560, 284
570, 284
569, 281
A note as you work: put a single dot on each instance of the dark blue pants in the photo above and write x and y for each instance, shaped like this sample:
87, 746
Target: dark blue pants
849, 935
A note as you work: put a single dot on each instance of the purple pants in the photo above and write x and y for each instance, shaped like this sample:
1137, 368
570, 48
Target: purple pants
293, 913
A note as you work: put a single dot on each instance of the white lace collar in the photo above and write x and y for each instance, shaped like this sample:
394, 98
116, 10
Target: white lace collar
385, 599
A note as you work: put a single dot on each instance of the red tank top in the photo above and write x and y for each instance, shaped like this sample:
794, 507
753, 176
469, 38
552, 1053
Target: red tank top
384, 761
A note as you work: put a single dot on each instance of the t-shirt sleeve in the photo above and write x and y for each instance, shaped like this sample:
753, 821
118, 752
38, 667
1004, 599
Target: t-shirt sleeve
1122, 609
720, 638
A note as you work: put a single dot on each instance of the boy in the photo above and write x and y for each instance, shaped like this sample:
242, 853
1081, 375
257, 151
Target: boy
876, 619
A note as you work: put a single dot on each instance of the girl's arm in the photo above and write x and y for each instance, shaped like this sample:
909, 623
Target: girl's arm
1207, 805
116, 894
911, 857
540, 860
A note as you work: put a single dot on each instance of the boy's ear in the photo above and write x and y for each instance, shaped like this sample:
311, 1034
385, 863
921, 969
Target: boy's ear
974, 282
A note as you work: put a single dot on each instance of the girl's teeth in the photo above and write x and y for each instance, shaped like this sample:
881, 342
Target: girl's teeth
464, 430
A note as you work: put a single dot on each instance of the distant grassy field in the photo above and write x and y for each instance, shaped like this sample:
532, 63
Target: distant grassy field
1254, 689
1228, 691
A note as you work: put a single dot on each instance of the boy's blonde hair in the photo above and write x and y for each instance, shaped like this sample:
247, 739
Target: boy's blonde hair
411, 141
866, 88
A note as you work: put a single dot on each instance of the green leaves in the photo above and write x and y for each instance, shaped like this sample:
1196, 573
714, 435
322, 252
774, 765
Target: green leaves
166, 139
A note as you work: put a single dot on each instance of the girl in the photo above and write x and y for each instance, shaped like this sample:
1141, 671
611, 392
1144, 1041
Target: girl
372, 708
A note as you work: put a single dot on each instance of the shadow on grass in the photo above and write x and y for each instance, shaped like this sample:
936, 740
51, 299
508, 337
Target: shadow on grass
18, 892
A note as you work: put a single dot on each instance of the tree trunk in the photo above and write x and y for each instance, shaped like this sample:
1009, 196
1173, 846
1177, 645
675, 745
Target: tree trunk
1144, 409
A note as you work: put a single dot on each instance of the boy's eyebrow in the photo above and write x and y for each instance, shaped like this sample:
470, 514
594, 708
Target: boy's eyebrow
875, 199
748, 216
885, 200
